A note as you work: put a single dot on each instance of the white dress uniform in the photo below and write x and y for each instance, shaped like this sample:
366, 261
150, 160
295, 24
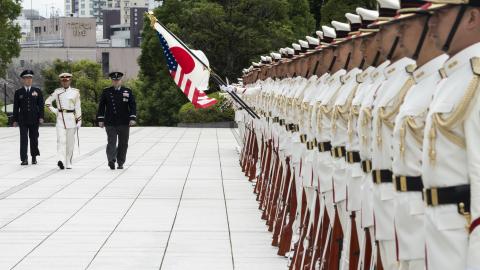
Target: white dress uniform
407, 165
364, 129
341, 176
69, 116
451, 159
389, 97
325, 125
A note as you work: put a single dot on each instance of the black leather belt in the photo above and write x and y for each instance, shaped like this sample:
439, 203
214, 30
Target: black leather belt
303, 138
282, 122
352, 157
275, 119
68, 111
311, 145
407, 183
292, 127
459, 195
324, 146
338, 152
382, 176
366, 166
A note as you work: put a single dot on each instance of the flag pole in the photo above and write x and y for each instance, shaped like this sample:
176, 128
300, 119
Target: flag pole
216, 77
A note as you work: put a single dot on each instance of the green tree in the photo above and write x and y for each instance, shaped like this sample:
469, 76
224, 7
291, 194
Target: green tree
232, 33
335, 10
87, 77
10, 33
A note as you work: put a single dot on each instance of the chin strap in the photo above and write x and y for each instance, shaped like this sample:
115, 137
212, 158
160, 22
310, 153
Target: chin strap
455, 25
375, 60
421, 41
348, 61
332, 63
362, 63
394, 47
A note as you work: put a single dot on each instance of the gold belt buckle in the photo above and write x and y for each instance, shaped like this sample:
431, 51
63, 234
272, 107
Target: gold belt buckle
403, 183
350, 157
434, 196
321, 147
339, 152
378, 177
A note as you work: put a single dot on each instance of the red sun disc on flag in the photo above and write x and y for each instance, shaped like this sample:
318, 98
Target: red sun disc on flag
184, 59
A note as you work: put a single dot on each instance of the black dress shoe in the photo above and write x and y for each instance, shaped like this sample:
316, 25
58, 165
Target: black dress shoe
24, 162
60, 165
34, 160
111, 164
120, 166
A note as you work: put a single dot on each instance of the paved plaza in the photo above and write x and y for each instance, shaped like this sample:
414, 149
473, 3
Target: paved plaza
181, 202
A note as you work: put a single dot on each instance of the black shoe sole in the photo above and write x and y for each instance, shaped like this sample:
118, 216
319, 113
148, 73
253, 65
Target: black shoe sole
111, 165
24, 164
60, 165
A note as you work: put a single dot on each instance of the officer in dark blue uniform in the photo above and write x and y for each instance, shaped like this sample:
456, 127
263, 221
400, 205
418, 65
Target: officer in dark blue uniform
117, 113
28, 115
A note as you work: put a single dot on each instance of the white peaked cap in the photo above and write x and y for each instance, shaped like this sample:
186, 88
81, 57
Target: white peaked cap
319, 34
263, 58
296, 46
282, 51
367, 14
268, 58
339, 26
328, 31
391, 4
353, 18
255, 64
303, 43
290, 50
276, 55
312, 40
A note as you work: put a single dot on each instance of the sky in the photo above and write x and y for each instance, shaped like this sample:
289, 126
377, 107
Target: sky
44, 6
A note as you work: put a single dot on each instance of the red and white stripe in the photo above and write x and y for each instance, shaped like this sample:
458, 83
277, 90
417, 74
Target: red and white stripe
197, 97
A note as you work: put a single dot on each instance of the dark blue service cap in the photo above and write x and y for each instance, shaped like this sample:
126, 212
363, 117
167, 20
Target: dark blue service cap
115, 75
27, 73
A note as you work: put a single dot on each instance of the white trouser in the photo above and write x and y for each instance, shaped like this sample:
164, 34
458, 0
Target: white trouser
65, 144
412, 265
388, 254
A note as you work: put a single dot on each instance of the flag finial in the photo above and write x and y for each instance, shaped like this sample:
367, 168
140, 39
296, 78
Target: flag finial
152, 18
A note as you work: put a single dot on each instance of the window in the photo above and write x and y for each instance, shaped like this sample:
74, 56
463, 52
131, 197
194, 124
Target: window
83, 12
56, 27
22, 63
44, 29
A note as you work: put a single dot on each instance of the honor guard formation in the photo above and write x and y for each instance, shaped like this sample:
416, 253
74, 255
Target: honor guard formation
364, 154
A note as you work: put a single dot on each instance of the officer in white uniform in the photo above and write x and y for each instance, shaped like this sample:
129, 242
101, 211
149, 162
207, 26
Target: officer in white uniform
69, 118
451, 156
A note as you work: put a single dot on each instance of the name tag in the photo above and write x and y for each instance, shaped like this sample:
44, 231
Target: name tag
126, 94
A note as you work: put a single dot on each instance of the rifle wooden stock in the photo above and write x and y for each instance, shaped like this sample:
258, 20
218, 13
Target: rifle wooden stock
286, 233
354, 252
266, 176
273, 192
277, 199
246, 146
379, 258
336, 243
311, 236
281, 215
320, 241
261, 176
368, 250
298, 247
253, 160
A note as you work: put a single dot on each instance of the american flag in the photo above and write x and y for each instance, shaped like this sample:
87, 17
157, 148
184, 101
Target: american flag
185, 70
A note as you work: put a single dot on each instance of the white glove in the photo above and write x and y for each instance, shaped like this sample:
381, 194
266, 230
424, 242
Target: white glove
79, 124
132, 123
101, 124
227, 88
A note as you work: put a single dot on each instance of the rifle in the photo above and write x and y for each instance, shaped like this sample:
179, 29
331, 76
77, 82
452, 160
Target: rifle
368, 250
287, 222
272, 188
305, 216
312, 235
336, 242
354, 252
281, 215
276, 196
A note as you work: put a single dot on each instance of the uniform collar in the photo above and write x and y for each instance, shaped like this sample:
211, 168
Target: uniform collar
364, 74
429, 68
379, 70
461, 59
398, 67
66, 89
352, 74
336, 75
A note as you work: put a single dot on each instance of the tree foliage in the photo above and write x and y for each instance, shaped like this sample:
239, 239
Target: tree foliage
9, 33
232, 33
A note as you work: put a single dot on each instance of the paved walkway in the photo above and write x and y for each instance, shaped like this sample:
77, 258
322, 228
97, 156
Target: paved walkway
180, 203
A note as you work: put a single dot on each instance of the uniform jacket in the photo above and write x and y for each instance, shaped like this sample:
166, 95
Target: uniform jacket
117, 107
28, 107
68, 106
